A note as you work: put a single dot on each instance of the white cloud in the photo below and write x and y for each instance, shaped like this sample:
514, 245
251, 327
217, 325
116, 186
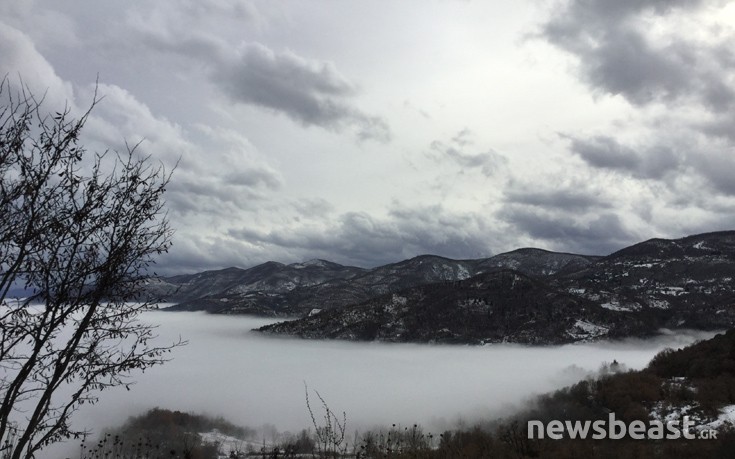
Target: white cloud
20, 61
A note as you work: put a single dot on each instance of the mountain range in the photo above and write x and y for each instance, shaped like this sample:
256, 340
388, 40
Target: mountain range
528, 295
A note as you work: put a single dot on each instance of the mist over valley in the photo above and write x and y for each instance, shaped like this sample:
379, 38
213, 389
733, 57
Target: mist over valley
252, 379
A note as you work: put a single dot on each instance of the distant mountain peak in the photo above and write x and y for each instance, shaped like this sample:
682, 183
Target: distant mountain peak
527, 295
657, 247
313, 262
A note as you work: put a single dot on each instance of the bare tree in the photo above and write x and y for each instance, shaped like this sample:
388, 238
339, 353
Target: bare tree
330, 437
78, 232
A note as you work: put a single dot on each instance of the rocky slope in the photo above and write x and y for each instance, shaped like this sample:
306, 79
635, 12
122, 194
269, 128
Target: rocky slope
684, 283
499, 306
691, 279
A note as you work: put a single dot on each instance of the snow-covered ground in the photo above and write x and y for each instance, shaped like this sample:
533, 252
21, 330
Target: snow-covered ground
667, 413
227, 444
725, 419
584, 330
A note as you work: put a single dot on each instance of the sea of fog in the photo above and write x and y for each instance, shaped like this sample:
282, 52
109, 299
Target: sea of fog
253, 380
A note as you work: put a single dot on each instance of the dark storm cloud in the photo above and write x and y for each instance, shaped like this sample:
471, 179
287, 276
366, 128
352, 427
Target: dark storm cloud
440, 231
600, 234
605, 152
201, 252
617, 54
568, 214
361, 239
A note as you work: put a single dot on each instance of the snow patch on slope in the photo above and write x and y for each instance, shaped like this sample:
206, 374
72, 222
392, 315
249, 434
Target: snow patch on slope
584, 330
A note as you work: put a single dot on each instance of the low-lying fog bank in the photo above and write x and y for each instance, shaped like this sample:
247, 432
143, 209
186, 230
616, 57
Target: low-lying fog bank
253, 380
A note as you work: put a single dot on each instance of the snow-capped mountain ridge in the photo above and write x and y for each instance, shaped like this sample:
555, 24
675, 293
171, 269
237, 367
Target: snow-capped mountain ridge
682, 283
274, 288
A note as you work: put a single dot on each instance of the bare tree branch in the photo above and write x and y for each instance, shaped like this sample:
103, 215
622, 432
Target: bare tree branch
79, 232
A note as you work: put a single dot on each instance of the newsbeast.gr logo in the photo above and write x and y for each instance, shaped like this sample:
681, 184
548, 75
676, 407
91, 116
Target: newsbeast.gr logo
615, 429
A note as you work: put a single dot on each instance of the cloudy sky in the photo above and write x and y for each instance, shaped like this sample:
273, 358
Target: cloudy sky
370, 131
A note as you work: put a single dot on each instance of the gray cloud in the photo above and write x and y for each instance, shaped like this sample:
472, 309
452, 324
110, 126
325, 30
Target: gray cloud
663, 156
604, 152
639, 50
201, 251
488, 162
463, 138
710, 163
722, 127
568, 213
253, 177
716, 167
361, 239
241, 10
597, 234
196, 199
618, 54
576, 199
310, 92
314, 207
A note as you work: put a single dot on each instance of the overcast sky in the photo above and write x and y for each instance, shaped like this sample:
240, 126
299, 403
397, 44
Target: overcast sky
366, 132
